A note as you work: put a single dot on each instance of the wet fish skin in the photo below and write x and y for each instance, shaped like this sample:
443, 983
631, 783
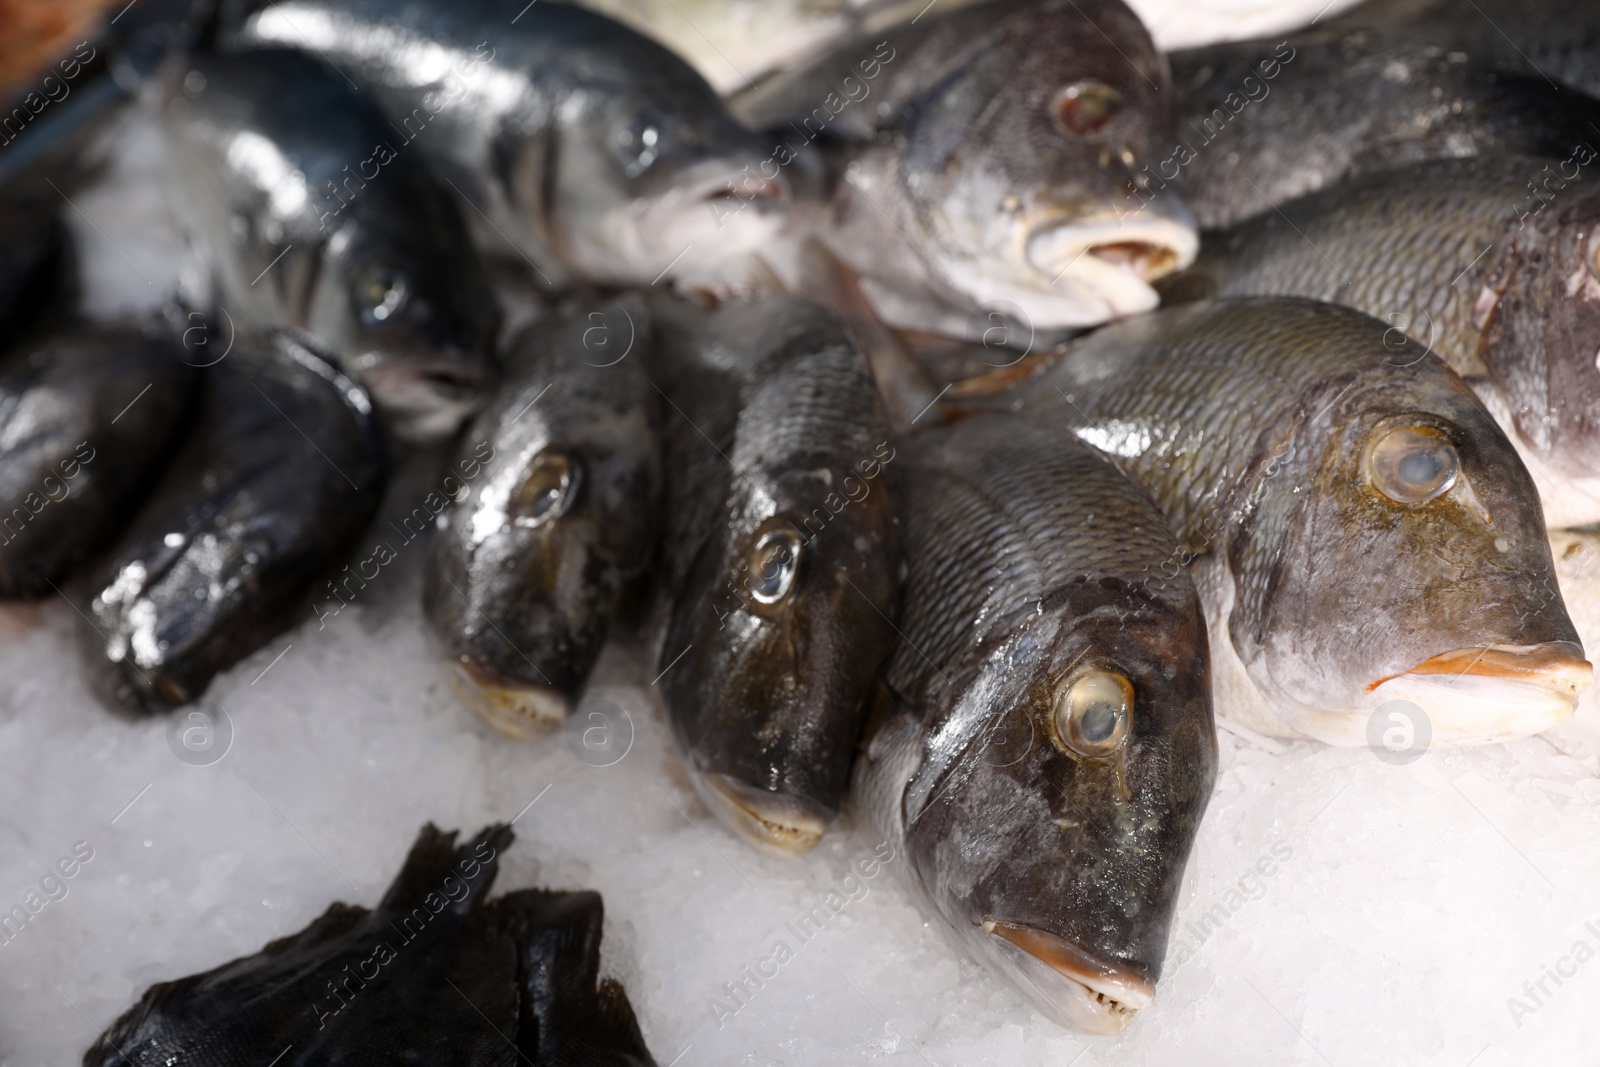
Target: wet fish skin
365, 988
1344, 103
1032, 562
317, 218
87, 416
1468, 263
275, 480
521, 586
1251, 424
775, 441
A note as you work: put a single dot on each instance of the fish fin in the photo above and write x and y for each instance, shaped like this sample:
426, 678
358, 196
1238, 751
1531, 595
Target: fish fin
434, 858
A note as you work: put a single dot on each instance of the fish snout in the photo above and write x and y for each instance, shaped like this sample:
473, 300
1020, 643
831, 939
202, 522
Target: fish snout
1070, 985
776, 824
1115, 260
429, 400
514, 709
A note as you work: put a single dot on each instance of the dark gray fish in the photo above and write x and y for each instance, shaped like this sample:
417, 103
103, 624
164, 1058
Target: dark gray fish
984, 154
86, 419
1492, 264
362, 988
557, 521
597, 153
1052, 748
1362, 531
780, 563
276, 479
1262, 122
37, 276
318, 218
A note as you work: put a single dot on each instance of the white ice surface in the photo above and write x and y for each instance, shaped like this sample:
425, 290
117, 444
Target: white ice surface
1415, 900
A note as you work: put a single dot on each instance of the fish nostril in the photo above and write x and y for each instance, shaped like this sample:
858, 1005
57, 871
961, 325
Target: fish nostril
1148, 261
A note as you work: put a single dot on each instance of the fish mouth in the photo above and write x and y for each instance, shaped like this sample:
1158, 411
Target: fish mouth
773, 823
426, 403
1071, 986
517, 710
716, 207
1113, 261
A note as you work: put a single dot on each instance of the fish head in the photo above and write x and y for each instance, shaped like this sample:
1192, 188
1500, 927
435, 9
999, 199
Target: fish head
1394, 549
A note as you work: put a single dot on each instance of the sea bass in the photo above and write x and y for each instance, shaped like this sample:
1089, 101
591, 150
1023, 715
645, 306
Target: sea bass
1361, 529
987, 155
436, 973
279, 474
1051, 748
778, 581
318, 218
594, 151
527, 569
1492, 264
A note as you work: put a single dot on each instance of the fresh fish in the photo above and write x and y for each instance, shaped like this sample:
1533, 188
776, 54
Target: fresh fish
1050, 749
527, 569
437, 973
1492, 264
86, 419
276, 479
1362, 531
318, 218
778, 581
595, 152
986, 155
1262, 122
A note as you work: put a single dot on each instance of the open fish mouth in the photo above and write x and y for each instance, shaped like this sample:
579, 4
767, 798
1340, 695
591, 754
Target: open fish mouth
1066, 983
426, 404
773, 823
716, 207
512, 709
1113, 261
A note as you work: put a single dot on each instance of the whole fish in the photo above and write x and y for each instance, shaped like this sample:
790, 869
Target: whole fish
1262, 122
87, 417
1362, 531
527, 569
277, 477
1489, 263
595, 152
1050, 748
780, 557
436, 973
316, 217
987, 155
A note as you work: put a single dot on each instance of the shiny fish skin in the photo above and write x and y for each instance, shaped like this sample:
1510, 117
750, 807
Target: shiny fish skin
1249, 422
1032, 562
524, 576
277, 477
774, 435
362, 988
274, 155
1472, 266
953, 182
598, 154
87, 417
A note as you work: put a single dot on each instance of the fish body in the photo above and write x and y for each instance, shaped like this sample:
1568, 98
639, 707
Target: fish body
598, 154
271, 485
1053, 747
986, 156
557, 521
87, 417
36, 269
1360, 528
1492, 264
316, 218
780, 556
369, 987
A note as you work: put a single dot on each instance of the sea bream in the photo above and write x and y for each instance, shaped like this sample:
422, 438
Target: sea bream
777, 585
987, 155
1048, 747
1360, 529
531, 561
315, 216
595, 152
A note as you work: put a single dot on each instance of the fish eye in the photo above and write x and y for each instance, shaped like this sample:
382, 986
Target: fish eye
547, 492
639, 145
771, 567
1412, 464
1085, 108
1093, 716
380, 290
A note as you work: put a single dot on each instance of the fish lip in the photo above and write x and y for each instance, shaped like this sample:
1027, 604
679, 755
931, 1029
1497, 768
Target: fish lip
1114, 259
775, 824
1072, 986
516, 710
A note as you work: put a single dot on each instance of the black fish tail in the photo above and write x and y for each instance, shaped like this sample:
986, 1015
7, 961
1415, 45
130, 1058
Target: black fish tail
435, 867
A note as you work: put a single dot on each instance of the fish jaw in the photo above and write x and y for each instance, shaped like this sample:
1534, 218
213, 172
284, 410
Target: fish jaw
517, 710
1065, 983
772, 823
1112, 263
